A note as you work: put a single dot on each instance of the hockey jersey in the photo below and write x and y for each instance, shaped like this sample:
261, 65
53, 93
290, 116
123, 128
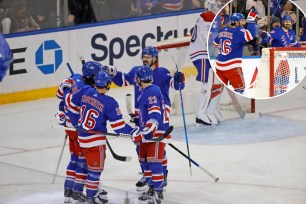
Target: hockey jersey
230, 42
198, 42
69, 85
94, 110
152, 110
280, 38
161, 77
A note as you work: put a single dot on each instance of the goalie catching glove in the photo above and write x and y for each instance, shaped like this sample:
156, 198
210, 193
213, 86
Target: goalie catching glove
251, 16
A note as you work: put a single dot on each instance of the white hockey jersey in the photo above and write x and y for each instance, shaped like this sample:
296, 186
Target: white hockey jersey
198, 42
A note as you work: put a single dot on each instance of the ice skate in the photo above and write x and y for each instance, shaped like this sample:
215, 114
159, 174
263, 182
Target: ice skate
158, 197
78, 198
100, 198
202, 120
68, 195
147, 196
141, 184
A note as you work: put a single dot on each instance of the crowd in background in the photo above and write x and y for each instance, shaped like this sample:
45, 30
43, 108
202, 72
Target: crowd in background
28, 15
269, 16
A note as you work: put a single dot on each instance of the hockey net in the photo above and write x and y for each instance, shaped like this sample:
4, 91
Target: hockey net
281, 69
173, 55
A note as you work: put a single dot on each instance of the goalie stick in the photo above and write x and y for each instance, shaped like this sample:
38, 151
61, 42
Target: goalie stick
158, 139
116, 156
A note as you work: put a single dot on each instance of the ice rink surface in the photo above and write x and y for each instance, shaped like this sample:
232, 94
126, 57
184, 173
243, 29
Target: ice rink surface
259, 160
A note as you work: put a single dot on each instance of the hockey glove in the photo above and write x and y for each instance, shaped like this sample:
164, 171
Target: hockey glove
60, 117
134, 119
111, 70
251, 16
264, 35
150, 129
179, 77
137, 137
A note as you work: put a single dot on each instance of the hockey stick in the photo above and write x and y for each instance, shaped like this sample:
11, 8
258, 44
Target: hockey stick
184, 119
195, 163
158, 139
116, 156
236, 103
128, 103
59, 160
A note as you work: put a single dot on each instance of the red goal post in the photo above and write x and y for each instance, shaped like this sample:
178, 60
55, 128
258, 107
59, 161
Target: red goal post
174, 52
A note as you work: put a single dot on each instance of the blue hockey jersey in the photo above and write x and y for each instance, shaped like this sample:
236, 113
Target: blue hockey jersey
230, 42
152, 110
161, 77
69, 85
94, 110
280, 38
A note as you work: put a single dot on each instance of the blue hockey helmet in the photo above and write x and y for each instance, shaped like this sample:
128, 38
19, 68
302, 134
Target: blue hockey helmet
236, 17
150, 50
103, 80
90, 68
145, 73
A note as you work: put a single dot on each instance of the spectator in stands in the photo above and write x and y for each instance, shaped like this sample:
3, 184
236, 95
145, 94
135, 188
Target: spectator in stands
18, 18
288, 10
143, 7
43, 13
276, 8
260, 6
167, 6
81, 11
302, 40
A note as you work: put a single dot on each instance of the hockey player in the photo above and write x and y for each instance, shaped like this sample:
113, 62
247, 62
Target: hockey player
230, 42
94, 108
282, 36
153, 122
77, 169
206, 112
6, 57
161, 77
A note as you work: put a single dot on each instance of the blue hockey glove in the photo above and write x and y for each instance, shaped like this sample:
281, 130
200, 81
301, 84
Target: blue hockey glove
112, 70
134, 119
179, 77
264, 35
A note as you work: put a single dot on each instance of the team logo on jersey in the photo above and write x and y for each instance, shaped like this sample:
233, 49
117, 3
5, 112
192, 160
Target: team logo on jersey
49, 57
152, 99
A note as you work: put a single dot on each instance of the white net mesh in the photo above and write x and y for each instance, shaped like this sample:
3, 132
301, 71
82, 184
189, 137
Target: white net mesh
281, 72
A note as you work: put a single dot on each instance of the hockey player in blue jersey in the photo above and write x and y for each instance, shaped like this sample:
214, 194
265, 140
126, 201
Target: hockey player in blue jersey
153, 122
94, 109
6, 57
77, 169
282, 36
230, 42
161, 77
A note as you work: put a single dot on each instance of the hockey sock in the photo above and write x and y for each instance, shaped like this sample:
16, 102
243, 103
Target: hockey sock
165, 163
81, 173
147, 172
92, 182
70, 172
157, 176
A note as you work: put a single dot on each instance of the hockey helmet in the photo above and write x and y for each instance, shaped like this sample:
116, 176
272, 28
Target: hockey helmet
90, 68
103, 80
150, 50
145, 73
236, 17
